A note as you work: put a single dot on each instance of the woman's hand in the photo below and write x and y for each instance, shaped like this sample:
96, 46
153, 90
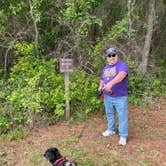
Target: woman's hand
108, 87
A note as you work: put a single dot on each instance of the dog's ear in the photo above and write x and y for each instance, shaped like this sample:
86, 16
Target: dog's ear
54, 149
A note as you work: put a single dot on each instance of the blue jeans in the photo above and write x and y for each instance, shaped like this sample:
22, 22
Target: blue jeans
119, 104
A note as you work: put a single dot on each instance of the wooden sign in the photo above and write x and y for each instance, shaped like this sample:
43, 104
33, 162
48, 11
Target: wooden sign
66, 65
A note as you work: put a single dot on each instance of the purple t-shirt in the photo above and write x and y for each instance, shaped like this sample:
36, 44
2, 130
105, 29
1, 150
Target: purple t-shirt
109, 72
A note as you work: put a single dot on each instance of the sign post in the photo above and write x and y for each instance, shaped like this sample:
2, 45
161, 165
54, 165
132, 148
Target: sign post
66, 66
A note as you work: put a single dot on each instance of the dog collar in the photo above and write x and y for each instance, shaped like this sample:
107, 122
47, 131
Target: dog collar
59, 161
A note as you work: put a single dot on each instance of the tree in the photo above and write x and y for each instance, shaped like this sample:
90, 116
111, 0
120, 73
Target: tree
146, 50
130, 6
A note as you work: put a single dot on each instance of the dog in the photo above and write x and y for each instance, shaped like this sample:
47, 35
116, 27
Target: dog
53, 156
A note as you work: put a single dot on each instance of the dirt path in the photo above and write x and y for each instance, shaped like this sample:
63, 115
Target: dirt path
83, 142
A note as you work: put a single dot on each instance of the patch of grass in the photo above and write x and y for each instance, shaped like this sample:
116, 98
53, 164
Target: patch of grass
137, 122
93, 142
141, 150
72, 134
2, 160
83, 157
54, 143
131, 159
143, 163
160, 134
78, 153
17, 134
86, 162
143, 132
113, 161
120, 149
35, 159
155, 152
2, 139
101, 154
68, 142
6, 157
32, 157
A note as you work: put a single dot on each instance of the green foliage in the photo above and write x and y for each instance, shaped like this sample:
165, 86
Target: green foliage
24, 48
4, 125
36, 4
16, 8
78, 12
17, 133
84, 99
117, 32
83, 29
87, 162
120, 29
144, 89
35, 86
77, 9
7, 114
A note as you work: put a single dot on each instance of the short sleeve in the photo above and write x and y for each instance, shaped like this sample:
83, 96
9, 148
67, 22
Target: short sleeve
123, 67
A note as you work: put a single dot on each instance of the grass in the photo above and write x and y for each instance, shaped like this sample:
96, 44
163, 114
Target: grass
160, 134
141, 150
90, 149
32, 156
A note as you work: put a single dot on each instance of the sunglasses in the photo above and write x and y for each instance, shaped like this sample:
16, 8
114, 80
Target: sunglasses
111, 55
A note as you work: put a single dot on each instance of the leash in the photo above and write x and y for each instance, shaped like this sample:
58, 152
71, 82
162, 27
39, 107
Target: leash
78, 138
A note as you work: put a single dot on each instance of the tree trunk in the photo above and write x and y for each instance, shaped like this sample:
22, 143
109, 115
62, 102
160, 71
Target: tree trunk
35, 26
129, 13
151, 15
130, 8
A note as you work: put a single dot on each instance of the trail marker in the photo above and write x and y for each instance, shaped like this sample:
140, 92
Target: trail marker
66, 66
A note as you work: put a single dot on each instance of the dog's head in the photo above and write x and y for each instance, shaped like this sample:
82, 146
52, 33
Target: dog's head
52, 154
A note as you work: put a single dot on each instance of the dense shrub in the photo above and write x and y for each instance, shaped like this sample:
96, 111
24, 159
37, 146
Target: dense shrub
36, 90
84, 97
145, 89
34, 86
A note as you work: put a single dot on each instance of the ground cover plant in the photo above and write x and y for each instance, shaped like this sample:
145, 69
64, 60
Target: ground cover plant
82, 141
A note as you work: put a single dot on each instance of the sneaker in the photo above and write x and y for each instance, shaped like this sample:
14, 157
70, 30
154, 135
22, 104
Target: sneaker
108, 133
122, 141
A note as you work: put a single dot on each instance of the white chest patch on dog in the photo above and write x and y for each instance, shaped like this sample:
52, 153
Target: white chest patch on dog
70, 164
67, 164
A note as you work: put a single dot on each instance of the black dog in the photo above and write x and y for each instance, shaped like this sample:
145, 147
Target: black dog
55, 158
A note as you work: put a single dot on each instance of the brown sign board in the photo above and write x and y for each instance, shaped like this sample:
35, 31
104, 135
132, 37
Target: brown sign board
66, 65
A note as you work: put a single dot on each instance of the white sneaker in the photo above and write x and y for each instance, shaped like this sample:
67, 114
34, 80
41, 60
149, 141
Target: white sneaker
108, 133
122, 141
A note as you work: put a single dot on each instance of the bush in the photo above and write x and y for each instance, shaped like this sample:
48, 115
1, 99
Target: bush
84, 97
145, 89
34, 86
35, 91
